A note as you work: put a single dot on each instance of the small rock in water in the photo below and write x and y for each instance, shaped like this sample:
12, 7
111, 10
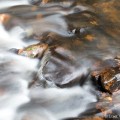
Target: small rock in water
33, 51
14, 50
107, 75
35, 2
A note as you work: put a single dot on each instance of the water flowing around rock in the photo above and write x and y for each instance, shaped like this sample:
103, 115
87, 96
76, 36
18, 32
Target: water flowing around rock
59, 59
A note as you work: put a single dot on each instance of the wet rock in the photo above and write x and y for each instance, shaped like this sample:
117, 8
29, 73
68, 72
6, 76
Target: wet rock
61, 66
64, 69
90, 111
14, 50
109, 106
107, 75
35, 2
86, 118
33, 51
4, 18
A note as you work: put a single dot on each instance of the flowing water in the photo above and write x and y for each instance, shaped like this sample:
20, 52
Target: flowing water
79, 33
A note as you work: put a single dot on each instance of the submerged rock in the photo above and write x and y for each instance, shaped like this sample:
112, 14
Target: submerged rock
35, 2
107, 75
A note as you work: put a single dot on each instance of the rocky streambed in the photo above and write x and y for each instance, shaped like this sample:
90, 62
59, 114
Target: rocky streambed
67, 54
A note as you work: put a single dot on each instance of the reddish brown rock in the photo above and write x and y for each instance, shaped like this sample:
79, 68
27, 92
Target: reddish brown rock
107, 75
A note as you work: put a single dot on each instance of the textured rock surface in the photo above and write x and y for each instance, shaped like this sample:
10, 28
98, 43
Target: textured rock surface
107, 75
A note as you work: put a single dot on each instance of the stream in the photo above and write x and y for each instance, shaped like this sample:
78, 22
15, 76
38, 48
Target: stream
48, 50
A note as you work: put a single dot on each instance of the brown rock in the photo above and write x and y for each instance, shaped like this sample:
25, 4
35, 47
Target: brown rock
33, 51
107, 75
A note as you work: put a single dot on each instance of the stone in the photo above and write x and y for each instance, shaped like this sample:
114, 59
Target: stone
107, 75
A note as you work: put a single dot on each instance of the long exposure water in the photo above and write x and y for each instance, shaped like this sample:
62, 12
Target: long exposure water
76, 35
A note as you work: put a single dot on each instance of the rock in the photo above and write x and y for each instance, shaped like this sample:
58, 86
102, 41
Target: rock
64, 69
4, 18
14, 50
107, 75
33, 51
87, 118
35, 2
